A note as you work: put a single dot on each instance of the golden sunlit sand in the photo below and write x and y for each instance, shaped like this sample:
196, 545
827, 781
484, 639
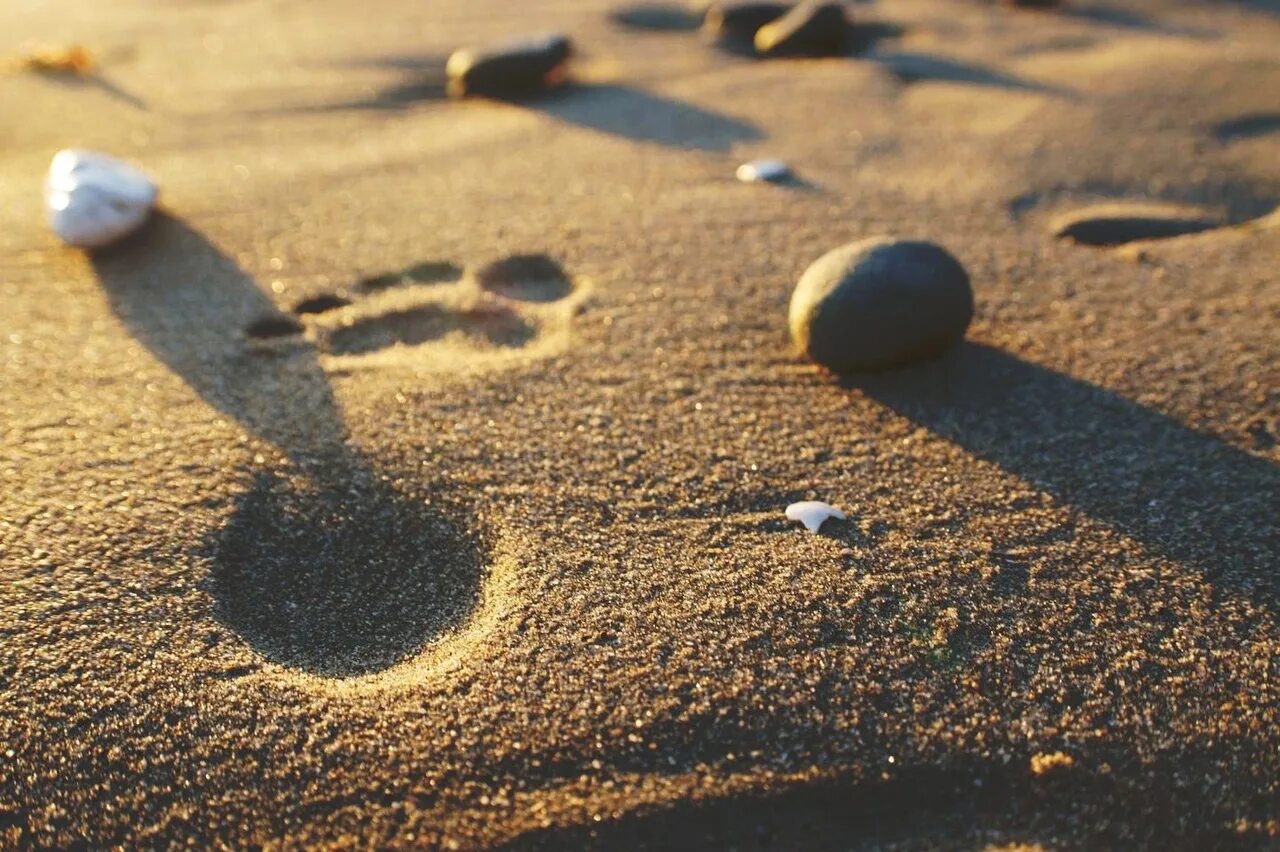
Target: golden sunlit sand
417, 475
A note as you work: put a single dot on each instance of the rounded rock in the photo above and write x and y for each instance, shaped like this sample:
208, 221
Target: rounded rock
810, 29
880, 303
740, 20
514, 69
92, 200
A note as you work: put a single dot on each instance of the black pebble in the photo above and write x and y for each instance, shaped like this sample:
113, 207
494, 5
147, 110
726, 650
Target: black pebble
512, 70
810, 29
880, 303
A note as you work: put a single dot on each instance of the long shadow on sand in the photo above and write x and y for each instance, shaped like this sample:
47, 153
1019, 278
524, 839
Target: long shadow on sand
635, 114
98, 80
935, 806
323, 566
1189, 496
425, 81
1130, 20
912, 67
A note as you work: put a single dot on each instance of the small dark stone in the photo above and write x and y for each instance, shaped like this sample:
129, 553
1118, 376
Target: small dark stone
880, 303
810, 29
1116, 224
511, 70
734, 21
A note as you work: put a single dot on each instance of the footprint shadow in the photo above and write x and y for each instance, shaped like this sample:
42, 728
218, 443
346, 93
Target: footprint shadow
1187, 495
526, 277
322, 567
414, 326
340, 581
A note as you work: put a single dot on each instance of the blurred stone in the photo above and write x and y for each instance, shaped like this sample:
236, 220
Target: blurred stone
515, 69
734, 21
810, 29
92, 200
880, 303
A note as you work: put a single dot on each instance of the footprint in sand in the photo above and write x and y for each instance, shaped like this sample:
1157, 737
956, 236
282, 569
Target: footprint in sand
434, 314
1117, 224
328, 562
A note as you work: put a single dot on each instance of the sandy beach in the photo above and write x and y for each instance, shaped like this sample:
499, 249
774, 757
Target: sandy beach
317, 531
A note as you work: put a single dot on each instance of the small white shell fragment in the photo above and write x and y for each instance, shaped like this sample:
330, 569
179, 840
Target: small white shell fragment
763, 170
92, 199
812, 513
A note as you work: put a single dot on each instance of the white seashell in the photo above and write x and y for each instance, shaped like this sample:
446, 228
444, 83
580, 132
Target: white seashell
763, 170
812, 513
92, 199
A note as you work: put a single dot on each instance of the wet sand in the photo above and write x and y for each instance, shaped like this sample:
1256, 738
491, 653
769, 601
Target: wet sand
481, 560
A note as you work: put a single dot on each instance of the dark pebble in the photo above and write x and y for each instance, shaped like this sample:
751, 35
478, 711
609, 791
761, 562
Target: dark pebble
810, 29
741, 21
880, 303
512, 70
1113, 224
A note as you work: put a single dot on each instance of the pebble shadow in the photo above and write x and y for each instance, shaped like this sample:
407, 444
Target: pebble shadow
635, 114
1187, 495
912, 67
1130, 20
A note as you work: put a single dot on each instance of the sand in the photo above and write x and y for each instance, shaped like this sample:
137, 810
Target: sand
463, 568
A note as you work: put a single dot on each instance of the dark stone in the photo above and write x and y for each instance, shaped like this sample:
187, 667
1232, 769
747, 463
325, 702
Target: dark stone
1116, 224
810, 29
880, 303
512, 70
741, 21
